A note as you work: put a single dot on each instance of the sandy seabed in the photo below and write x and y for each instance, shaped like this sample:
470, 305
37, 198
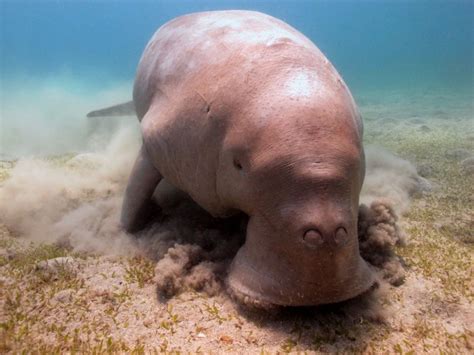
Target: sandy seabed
71, 280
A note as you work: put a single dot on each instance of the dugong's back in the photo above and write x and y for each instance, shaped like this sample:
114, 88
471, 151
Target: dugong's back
204, 42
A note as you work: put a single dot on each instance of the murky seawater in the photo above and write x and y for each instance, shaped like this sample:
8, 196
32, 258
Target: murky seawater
61, 59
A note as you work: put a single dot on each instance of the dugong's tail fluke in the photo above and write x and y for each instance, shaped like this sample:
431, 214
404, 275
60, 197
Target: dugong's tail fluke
125, 109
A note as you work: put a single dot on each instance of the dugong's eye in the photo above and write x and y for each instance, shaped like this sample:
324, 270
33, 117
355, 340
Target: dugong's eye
237, 164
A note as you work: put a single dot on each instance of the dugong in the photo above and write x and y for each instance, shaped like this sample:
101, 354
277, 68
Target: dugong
245, 114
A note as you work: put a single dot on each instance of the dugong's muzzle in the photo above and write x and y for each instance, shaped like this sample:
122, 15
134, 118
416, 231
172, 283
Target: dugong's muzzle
276, 269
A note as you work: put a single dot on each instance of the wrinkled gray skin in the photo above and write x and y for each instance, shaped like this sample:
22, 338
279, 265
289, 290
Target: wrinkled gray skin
244, 113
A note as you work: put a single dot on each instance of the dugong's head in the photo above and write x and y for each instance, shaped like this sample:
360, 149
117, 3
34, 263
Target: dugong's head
295, 165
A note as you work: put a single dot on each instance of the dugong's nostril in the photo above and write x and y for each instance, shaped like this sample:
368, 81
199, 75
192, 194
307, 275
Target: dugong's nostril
313, 237
340, 237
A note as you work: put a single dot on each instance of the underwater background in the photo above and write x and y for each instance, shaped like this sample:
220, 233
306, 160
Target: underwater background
61, 59
72, 280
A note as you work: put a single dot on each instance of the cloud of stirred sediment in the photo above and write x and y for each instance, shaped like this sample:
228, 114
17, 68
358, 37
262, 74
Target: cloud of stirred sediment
75, 199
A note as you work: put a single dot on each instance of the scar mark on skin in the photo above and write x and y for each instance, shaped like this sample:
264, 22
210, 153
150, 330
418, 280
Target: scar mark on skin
208, 105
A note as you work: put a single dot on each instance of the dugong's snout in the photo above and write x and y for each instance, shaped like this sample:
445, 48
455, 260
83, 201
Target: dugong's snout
312, 268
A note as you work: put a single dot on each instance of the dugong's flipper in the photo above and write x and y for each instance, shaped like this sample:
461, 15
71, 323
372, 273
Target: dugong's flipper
138, 207
125, 109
